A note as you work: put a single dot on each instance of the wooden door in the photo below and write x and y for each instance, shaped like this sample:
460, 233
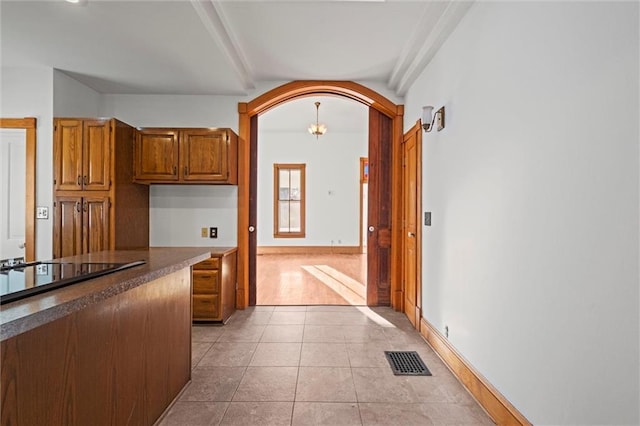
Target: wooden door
67, 146
204, 155
411, 228
67, 227
379, 209
156, 154
96, 165
95, 224
13, 164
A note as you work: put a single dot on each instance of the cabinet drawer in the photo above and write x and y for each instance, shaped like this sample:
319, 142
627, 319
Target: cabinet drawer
212, 263
206, 307
206, 282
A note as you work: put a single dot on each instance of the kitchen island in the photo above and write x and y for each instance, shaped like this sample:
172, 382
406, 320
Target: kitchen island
112, 350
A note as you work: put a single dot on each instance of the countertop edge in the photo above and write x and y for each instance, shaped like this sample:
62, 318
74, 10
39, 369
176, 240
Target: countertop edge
23, 324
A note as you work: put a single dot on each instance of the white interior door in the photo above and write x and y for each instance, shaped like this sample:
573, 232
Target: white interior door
12, 192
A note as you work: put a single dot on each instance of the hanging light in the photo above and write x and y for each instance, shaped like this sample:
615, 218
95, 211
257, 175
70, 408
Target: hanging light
317, 128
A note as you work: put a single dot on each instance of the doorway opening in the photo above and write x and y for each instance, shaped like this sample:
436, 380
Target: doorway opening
309, 204
385, 134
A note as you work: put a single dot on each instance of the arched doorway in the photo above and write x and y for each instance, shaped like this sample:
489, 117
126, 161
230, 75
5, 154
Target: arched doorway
385, 117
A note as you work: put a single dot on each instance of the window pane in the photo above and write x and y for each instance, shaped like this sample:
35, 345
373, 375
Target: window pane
283, 216
283, 183
295, 184
294, 217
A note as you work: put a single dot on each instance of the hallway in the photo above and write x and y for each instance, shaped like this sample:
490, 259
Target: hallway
327, 279
316, 365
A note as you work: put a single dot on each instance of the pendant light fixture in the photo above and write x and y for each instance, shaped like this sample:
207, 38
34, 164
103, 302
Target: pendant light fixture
317, 128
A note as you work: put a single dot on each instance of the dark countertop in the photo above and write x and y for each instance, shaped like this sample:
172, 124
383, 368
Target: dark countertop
24, 315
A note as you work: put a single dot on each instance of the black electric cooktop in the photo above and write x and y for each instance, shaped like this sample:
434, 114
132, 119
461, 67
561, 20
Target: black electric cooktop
27, 279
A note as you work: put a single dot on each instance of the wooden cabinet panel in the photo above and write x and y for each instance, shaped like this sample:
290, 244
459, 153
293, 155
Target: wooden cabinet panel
205, 282
95, 221
211, 263
81, 225
156, 155
68, 155
82, 155
214, 287
97, 205
96, 163
206, 307
204, 155
67, 235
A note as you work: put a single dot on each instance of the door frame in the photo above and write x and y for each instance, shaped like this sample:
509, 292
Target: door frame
416, 129
29, 125
304, 88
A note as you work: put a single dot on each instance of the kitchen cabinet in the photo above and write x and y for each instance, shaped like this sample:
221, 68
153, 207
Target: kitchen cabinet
186, 156
97, 206
81, 225
214, 287
81, 154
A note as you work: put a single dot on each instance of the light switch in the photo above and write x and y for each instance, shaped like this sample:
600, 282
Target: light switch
427, 218
42, 212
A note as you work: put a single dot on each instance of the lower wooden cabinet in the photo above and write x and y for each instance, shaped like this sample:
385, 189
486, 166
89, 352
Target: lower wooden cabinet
81, 225
214, 286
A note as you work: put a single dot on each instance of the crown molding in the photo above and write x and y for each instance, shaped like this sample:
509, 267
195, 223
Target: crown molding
425, 42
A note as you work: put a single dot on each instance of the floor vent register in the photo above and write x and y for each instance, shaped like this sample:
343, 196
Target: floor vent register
406, 363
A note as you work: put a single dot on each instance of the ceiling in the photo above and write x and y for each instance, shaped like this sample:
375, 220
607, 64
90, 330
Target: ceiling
226, 47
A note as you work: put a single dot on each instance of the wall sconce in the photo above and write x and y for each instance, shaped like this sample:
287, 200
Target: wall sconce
427, 121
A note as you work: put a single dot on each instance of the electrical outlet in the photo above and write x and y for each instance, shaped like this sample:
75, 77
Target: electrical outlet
213, 232
204, 233
42, 212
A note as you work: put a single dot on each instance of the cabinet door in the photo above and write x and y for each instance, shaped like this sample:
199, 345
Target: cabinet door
67, 227
68, 155
96, 164
203, 155
95, 224
156, 155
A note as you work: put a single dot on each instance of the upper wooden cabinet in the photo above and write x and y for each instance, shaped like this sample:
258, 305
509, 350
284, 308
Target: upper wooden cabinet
82, 154
186, 156
97, 206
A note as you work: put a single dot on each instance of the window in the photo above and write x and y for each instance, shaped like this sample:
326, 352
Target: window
289, 201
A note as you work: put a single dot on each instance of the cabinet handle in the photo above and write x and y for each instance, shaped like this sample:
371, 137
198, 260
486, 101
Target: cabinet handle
186, 170
79, 180
78, 206
84, 180
84, 206
175, 170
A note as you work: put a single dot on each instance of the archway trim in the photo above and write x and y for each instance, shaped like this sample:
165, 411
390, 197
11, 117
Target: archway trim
298, 89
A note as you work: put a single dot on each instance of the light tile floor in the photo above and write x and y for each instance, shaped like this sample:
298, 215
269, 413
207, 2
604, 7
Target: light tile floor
316, 365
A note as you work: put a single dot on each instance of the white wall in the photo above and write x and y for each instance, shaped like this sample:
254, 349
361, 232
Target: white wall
178, 212
28, 92
332, 184
72, 98
532, 259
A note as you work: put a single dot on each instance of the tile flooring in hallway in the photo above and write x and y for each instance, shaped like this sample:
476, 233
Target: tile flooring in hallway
316, 365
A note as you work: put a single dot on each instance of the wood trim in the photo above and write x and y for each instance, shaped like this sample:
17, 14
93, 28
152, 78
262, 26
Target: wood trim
302, 168
417, 129
303, 88
495, 404
396, 211
297, 89
308, 250
29, 124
